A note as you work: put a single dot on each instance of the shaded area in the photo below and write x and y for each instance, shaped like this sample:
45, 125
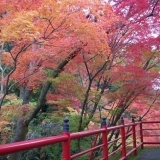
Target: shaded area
150, 154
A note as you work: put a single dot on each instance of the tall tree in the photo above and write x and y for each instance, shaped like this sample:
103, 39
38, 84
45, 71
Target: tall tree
47, 34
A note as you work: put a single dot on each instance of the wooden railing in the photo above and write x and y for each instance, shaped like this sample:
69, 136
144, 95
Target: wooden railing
130, 135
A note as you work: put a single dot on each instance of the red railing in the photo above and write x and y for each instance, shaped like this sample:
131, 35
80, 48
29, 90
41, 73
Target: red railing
126, 131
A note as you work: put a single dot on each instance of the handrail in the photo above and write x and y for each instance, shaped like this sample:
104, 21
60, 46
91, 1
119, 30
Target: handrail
66, 137
30, 144
86, 133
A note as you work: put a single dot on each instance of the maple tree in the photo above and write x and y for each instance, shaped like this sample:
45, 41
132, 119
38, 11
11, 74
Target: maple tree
139, 64
46, 34
108, 57
132, 68
136, 58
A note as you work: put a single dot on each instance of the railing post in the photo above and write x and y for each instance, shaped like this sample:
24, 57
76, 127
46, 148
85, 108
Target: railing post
141, 132
104, 139
123, 139
134, 136
66, 152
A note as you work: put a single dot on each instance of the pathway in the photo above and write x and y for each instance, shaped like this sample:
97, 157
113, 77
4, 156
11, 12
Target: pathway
150, 154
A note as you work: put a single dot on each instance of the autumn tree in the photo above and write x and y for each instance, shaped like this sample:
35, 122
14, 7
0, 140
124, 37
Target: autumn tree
46, 36
135, 52
136, 65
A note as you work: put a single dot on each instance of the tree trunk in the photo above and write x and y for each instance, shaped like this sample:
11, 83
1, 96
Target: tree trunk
21, 127
20, 135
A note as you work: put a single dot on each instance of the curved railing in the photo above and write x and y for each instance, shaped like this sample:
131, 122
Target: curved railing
133, 131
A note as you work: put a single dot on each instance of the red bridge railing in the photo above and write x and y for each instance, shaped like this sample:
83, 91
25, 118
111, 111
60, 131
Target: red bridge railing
134, 131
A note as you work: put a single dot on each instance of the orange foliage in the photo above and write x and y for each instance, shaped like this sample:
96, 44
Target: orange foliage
44, 32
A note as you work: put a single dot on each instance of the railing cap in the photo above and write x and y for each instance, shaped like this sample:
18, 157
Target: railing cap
122, 120
65, 125
103, 123
133, 119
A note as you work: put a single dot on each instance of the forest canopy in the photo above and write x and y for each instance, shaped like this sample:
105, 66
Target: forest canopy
78, 58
